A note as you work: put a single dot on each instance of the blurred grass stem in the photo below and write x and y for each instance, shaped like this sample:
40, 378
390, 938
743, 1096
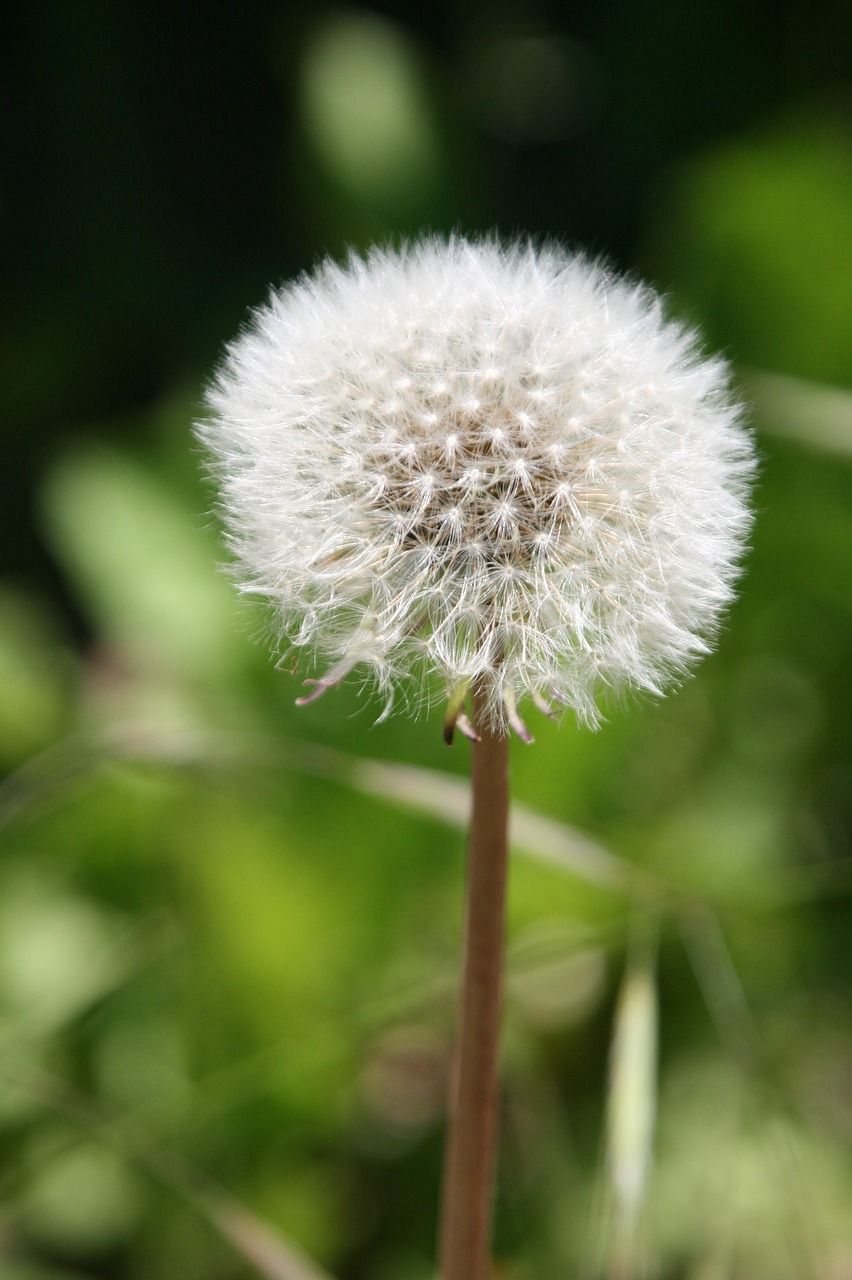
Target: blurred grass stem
632, 1098
472, 1133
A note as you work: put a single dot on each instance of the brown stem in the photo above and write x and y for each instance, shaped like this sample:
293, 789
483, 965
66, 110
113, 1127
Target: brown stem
472, 1136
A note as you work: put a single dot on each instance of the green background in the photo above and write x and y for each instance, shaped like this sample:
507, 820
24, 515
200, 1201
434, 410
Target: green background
228, 929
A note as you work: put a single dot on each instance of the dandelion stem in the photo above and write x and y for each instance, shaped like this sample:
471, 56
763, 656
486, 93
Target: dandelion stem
472, 1134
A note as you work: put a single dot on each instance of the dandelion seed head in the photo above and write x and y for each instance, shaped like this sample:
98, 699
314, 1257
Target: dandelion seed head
484, 463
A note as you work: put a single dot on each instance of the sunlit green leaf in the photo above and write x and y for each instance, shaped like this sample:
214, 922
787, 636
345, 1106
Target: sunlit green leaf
144, 565
367, 110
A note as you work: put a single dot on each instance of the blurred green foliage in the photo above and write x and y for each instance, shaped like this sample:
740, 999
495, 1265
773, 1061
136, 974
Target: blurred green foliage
227, 938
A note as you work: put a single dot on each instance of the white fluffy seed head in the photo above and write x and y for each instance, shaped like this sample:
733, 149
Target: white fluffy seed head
491, 463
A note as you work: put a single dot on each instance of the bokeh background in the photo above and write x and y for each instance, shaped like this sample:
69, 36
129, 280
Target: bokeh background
228, 930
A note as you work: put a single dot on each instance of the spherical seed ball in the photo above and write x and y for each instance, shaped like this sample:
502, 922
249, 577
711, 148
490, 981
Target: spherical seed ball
488, 462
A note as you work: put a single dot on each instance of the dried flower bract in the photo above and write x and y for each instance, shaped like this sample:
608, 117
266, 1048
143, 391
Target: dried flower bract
483, 462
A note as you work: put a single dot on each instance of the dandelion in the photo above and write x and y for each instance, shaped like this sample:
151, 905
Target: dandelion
495, 469
484, 464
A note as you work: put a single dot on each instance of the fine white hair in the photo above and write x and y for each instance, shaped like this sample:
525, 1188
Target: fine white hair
487, 462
